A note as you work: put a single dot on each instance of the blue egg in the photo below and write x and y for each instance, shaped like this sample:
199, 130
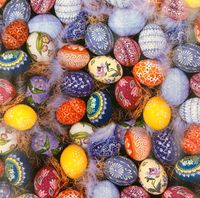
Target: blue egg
5, 190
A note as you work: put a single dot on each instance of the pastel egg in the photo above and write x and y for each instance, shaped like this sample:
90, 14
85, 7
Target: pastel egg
120, 171
73, 161
27, 195
69, 193
197, 29
157, 113
99, 39
149, 72
153, 177
193, 3
5, 189
134, 192
195, 84
42, 6
105, 69
1, 169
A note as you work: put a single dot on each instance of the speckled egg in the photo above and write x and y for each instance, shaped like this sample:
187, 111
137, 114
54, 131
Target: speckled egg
120, 3
28, 195
197, 29
99, 39
195, 84
153, 177
5, 190
42, 6
70, 193
134, 192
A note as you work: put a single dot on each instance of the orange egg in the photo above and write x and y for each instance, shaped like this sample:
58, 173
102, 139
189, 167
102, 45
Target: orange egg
2, 2
70, 193
197, 29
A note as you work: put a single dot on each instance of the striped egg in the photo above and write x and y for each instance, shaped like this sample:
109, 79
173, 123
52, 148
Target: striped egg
195, 84
42, 6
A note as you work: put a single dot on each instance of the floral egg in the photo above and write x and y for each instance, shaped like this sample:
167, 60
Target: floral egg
195, 84
27, 195
77, 84
178, 80
137, 143
73, 161
149, 72
73, 57
186, 57
105, 69
197, 29
128, 92
99, 108
5, 190
70, 193
47, 182
190, 111
193, 3
188, 169
16, 9
127, 51
153, 177
99, 39
7, 92
1, 168
157, 113
2, 3
42, 6
134, 192
71, 111
120, 171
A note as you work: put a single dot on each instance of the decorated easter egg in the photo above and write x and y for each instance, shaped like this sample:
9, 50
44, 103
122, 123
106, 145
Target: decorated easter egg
47, 182
5, 190
16, 9
20, 117
73, 161
2, 3
120, 3
197, 29
120, 171
69, 193
134, 192
178, 80
42, 6
149, 72
190, 111
105, 69
186, 57
99, 39
195, 84
127, 51
77, 84
99, 108
153, 177
188, 169
157, 113
193, 3
27, 195
71, 111
1, 168
73, 57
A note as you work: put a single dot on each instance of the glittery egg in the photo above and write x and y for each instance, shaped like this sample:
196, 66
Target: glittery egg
197, 29
42, 6
70, 193
120, 3
2, 3
28, 195
99, 39
195, 84
134, 192
193, 3
5, 190
1, 168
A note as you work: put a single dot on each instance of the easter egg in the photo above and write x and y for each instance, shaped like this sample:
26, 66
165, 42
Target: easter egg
20, 117
127, 51
193, 3
73, 161
195, 84
175, 88
1, 168
188, 168
70, 193
99, 39
153, 177
120, 3
77, 84
47, 182
5, 190
186, 57
2, 3
190, 111
137, 143
197, 29
73, 57
157, 113
149, 72
105, 69
71, 111
99, 108
134, 192
27, 195
42, 6
120, 171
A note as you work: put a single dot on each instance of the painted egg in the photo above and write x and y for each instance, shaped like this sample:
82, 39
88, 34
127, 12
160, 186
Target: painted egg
99, 39
17, 169
5, 190
67, 11
1, 168
28, 196
190, 111
188, 169
134, 192
20, 117
193, 3
197, 29
165, 147
180, 83
99, 108
149, 72
137, 143
120, 171
47, 182
77, 84
73, 161
105, 69
120, 3
2, 3
42, 6
195, 84
16, 9
46, 23
153, 177
73, 57
186, 57
157, 113
127, 51
70, 193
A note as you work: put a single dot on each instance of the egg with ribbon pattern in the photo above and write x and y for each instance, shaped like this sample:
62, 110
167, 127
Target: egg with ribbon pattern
195, 84
70, 193
5, 190
42, 6
27, 195
197, 29
134, 192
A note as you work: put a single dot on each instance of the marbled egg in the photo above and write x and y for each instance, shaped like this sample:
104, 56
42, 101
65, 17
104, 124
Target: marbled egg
186, 57
70, 193
99, 39
195, 84
5, 190
153, 177
42, 6
27, 195
197, 29
120, 3
134, 192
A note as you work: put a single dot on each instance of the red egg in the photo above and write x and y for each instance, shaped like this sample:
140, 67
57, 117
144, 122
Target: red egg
42, 6
195, 84
70, 193
197, 29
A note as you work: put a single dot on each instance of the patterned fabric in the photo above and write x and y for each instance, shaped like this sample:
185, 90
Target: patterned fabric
195, 84
42, 6
197, 29
134, 192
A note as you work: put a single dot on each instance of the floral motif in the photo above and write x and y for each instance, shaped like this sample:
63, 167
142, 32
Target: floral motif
42, 193
101, 70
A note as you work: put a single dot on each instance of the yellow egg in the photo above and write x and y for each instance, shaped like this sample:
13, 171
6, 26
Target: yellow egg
157, 113
20, 117
193, 3
73, 161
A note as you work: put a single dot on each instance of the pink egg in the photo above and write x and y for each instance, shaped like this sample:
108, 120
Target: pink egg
134, 192
42, 6
195, 84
